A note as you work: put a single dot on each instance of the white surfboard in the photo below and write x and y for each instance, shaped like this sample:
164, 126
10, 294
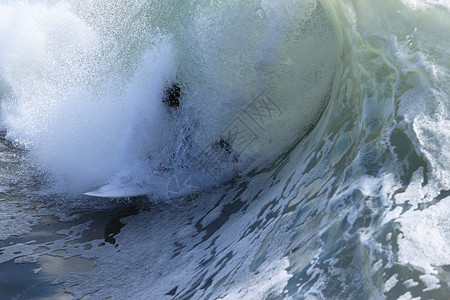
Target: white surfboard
119, 191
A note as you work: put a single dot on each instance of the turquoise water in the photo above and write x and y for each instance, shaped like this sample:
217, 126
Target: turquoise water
334, 184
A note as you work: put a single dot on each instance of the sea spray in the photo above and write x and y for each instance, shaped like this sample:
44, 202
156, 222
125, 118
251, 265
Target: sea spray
87, 96
355, 208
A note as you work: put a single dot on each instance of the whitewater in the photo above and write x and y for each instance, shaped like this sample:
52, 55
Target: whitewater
309, 156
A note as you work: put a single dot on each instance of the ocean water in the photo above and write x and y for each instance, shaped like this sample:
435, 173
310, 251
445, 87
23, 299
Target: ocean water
308, 159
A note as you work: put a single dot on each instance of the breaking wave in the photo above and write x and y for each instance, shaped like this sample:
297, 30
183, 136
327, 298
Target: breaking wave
310, 142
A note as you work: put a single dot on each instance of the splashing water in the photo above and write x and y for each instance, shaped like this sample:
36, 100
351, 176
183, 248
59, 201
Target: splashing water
308, 157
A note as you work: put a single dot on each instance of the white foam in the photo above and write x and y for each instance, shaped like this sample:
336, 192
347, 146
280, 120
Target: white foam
425, 230
430, 281
390, 283
410, 283
15, 219
408, 296
269, 281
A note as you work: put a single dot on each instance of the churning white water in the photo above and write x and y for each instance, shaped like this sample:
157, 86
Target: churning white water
308, 158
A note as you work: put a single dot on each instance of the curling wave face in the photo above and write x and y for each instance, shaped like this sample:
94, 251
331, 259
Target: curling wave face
344, 162
86, 96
